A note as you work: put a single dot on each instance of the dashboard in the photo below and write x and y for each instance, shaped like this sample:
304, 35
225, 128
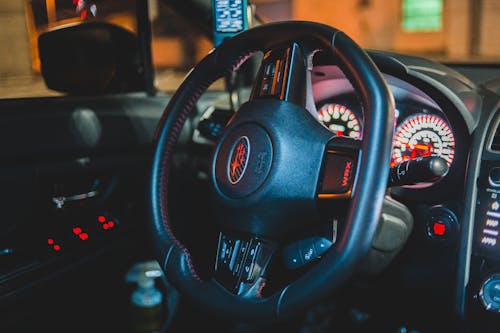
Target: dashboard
426, 125
437, 111
441, 113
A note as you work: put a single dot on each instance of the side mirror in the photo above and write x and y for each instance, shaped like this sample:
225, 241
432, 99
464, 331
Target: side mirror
91, 58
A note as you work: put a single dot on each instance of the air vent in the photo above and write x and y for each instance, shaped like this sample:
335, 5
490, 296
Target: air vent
495, 142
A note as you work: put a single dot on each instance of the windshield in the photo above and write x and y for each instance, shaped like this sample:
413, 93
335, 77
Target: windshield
446, 31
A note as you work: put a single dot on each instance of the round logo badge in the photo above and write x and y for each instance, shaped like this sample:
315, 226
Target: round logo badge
238, 160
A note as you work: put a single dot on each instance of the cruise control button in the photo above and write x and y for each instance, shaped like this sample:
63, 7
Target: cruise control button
234, 255
303, 252
307, 250
243, 248
321, 245
247, 272
495, 176
250, 260
226, 246
292, 257
252, 251
240, 257
224, 250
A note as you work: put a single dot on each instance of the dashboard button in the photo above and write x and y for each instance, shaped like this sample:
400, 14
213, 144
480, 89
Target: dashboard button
490, 293
438, 228
495, 176
442, 224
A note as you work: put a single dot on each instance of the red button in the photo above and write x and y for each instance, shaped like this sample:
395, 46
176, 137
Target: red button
438, 228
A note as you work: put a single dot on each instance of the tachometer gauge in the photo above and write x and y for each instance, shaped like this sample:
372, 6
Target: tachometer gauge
340, 120
423, 135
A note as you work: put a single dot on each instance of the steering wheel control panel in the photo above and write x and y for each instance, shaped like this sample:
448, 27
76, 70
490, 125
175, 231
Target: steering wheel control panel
303, 252
241, 262
280, 68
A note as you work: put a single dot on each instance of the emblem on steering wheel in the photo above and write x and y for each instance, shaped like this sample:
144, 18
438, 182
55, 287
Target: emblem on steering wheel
238, 160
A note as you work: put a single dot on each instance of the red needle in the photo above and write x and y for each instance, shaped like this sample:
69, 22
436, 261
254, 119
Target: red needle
422, 147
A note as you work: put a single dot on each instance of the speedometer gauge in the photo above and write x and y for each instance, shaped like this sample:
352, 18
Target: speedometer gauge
423, 135
340, 120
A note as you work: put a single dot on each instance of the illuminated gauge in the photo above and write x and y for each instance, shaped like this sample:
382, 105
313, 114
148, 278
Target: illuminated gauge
423, 135
340, 120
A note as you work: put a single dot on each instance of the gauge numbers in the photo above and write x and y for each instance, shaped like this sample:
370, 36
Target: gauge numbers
340, 120
423, 135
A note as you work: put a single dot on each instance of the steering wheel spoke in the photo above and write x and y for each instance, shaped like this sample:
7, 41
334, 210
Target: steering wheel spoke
283, 74
241, 263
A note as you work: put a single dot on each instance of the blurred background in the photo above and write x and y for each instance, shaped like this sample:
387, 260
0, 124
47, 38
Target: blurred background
458, 31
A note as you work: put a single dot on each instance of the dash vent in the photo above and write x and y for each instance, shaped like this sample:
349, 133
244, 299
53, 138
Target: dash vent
495, 141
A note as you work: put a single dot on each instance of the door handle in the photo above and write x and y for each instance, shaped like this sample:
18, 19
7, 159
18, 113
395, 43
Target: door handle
60, 201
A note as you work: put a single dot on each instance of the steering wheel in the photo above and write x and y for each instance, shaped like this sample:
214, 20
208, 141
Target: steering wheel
272, 168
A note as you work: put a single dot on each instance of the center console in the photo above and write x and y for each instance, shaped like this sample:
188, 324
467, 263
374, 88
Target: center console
484, 287
478, 288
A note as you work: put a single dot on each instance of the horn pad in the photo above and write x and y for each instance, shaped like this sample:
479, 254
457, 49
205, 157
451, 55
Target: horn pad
243, 160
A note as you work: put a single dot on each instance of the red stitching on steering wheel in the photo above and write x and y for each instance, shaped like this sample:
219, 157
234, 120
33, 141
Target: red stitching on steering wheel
169, 146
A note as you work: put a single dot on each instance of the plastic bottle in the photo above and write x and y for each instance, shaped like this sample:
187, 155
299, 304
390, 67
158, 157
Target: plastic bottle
146, 302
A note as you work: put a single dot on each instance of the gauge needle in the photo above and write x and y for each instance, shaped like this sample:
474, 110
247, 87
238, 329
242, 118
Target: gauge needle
417, 146
426, 150
422, 147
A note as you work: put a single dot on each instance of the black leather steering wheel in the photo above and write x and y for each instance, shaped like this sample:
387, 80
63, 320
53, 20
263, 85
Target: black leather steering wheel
272, 167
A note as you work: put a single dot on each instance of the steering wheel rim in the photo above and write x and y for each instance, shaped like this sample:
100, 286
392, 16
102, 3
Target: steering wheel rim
368, 191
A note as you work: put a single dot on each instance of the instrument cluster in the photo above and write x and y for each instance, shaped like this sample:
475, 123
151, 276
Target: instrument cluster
420, 130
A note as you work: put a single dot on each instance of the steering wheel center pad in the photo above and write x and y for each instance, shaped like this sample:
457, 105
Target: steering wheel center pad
277, 192
242, 161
